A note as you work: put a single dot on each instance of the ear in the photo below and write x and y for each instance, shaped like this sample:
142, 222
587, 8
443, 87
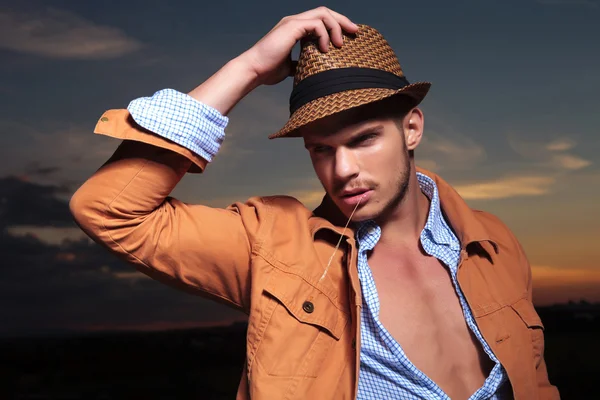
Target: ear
413, 128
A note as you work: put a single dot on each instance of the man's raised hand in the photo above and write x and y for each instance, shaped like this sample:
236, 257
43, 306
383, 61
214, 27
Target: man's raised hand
269, 61
270, 58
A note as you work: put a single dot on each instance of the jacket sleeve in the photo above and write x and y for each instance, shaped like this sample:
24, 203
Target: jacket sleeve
125, 206
546, 391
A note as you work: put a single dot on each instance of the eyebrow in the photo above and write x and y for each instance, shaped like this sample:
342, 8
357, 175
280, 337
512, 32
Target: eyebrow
368, 129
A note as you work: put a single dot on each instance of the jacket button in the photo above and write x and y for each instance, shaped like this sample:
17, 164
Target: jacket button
308, 307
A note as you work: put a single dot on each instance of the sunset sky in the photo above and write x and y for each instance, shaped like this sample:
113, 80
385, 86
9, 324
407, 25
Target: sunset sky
511, 121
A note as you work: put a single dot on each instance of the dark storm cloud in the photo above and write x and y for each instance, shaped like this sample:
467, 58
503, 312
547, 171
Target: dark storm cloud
28, 203
35, 169
76, 285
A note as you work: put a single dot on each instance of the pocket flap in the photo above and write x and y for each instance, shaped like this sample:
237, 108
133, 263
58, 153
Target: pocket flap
525, 309
306, 303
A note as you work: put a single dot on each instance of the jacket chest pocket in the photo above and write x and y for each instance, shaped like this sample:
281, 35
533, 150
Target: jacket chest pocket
301, 324
532, 322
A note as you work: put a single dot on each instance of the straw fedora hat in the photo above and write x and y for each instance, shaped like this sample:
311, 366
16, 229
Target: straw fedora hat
364, 70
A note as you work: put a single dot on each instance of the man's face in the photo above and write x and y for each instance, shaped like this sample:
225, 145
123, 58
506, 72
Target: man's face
363, 157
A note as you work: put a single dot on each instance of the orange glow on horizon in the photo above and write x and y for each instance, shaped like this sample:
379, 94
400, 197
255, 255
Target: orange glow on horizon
559, 285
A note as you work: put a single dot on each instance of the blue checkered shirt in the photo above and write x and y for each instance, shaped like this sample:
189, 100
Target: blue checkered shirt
385, 371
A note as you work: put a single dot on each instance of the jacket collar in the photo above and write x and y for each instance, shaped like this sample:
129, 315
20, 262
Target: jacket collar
329, 217
461, 218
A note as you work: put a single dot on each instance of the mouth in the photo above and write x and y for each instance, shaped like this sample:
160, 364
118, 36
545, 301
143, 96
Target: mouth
353, 192
352, 197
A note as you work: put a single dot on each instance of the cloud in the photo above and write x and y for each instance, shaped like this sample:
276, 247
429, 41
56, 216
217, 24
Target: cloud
516, 186
79, 285
452, 151
62, 34
27, 203
35, 169
24, 152
561, 144
585, 3
570, 162
130, 275
47, 234
554, 156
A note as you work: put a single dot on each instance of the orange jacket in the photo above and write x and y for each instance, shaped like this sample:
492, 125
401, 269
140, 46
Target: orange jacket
265, 257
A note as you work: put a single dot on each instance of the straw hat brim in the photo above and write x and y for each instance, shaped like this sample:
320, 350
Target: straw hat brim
341, 101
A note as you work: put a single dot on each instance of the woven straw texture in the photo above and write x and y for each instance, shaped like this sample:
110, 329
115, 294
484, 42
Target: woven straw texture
366, 49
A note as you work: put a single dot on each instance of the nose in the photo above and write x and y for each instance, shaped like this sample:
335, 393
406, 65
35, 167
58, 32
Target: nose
346, 165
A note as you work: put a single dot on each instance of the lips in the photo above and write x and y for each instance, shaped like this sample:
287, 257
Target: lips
354, 196
353, 192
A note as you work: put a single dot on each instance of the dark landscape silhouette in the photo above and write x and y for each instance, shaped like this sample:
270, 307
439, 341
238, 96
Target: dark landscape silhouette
207, 363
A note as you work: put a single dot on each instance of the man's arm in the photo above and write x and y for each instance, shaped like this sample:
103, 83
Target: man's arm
523, 278
546, 391
126, 207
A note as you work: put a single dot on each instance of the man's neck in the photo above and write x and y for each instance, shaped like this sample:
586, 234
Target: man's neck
402, 225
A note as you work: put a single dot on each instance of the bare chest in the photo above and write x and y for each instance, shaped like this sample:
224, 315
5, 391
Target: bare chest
420, 308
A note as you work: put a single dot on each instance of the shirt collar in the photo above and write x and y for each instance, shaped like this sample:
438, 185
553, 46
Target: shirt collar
435, 227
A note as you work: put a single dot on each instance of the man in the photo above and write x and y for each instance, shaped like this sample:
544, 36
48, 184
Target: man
393, 288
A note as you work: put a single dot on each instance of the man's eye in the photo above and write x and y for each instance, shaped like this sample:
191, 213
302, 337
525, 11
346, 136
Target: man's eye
365, 138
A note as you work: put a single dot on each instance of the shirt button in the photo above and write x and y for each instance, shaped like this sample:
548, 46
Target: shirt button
104, 119
308, 307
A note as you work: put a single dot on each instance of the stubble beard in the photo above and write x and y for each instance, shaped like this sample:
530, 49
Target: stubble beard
401, 184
